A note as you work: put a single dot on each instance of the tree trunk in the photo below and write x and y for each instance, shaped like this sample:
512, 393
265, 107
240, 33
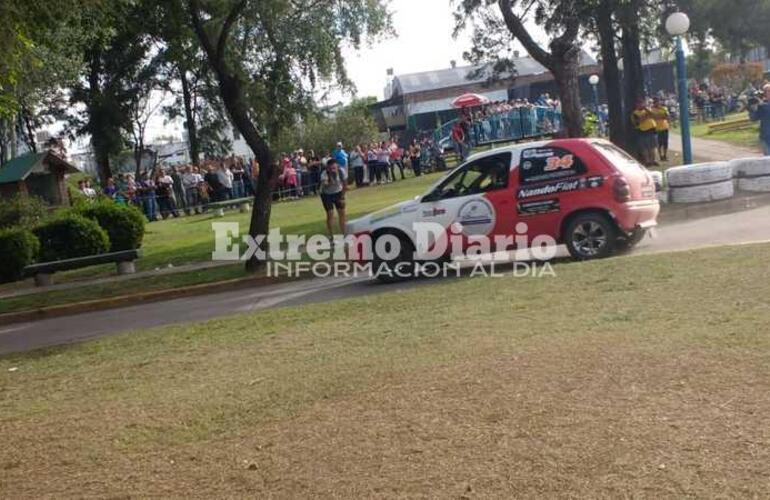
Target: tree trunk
138, 147
633, 73
29, 129
192, 126
566, 72
235, 103
234, 99
97, 119
611, 72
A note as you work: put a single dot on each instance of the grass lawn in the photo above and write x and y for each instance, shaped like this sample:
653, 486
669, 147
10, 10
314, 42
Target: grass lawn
748, 137
652, 381
191, 239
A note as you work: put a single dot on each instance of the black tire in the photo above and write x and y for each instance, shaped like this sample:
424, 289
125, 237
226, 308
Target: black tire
400, 268
590, 236
627, 243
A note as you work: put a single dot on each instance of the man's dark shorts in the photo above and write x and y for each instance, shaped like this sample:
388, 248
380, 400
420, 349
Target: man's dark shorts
332, 201
663, 138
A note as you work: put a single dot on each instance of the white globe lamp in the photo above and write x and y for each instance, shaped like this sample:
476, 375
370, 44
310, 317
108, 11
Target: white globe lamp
677, 24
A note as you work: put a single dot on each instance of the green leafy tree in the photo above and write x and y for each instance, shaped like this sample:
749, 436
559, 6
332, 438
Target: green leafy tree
269, 57
319, 132
115, 56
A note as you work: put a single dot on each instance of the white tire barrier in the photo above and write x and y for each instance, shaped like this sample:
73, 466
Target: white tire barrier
700, 174
759, 184
703, 193
751, 167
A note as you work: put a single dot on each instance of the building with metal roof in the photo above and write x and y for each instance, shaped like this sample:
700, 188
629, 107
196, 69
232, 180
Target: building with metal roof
37, 174
422, 101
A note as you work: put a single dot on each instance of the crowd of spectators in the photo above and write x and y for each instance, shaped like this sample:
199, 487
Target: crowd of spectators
166, 191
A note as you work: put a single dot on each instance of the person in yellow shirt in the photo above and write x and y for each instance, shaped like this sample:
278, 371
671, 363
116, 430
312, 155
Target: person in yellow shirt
645, 126
660, 114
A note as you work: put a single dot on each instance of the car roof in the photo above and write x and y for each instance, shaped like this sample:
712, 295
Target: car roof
518, 147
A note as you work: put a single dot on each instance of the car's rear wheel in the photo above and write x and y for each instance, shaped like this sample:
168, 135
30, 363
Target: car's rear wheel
627, 243
400, 267
590, 236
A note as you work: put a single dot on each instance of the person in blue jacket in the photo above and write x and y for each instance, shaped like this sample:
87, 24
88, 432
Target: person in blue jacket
759, 111
342, 158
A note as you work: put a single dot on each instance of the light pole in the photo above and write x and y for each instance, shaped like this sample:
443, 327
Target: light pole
677, 25
594, 81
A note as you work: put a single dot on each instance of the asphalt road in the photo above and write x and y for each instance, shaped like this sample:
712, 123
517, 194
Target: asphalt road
744, 227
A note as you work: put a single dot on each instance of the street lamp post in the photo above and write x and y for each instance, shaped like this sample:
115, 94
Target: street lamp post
594, 81
677, 25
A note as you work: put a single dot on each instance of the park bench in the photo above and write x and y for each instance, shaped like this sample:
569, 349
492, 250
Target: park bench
730, 126
43, 271
244, 204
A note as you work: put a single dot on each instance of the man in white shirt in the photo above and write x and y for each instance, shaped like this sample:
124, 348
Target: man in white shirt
191, 180
225, 177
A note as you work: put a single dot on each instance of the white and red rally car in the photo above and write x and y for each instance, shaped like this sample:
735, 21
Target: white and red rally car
585, 193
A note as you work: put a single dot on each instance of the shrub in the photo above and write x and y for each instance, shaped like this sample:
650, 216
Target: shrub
124, 224
18, 248
18, 210
68, 236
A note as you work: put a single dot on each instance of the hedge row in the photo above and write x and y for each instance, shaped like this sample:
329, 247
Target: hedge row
95, 229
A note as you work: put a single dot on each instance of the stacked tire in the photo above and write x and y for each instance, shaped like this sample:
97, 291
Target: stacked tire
753, 174
701, 183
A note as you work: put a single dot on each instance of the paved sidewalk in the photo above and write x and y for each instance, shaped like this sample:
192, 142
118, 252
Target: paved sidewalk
711, 150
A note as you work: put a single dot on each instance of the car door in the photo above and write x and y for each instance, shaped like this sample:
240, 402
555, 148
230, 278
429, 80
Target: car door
478, 196
543, 182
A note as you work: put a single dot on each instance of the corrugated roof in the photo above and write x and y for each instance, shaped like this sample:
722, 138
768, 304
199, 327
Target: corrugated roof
17, 169
457, 77
20, 167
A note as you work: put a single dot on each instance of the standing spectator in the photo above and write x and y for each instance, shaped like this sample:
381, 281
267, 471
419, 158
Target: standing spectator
459, 140
290, 180
129, 190
164, 191
333, 187
645, 125
85, 188
397, 158
383, 161
225, 176
371, 163
342, 158
110, 190
146, 189
314, 170
357, 164
660, 114
213, 184
303, 173
179, 192
239, 191
414, 157
252, 176
191, 180
759, 111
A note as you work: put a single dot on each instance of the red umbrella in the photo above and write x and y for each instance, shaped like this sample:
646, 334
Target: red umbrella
469, 101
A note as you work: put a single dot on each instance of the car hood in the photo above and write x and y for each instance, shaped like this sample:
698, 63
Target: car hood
366, 222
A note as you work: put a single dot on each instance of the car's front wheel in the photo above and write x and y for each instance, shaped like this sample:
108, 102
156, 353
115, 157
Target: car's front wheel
590, 236
393, 258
